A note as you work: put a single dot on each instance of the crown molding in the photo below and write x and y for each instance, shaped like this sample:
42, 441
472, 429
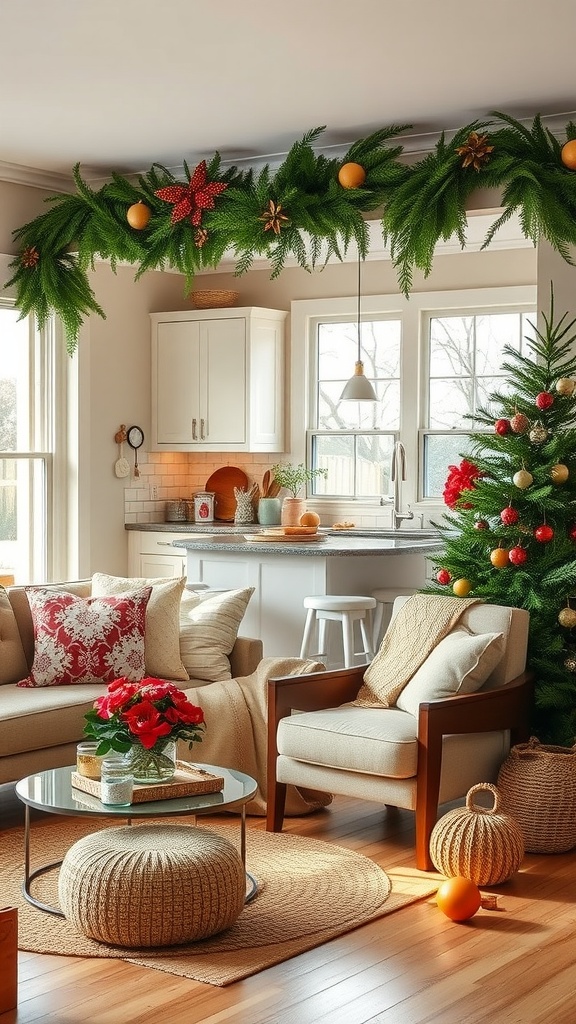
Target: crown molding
414, 146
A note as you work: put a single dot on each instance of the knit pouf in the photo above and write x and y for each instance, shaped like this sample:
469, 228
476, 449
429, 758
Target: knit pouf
152, 885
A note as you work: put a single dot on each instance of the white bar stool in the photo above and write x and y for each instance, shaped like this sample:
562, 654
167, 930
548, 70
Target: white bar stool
347, 610
385, 597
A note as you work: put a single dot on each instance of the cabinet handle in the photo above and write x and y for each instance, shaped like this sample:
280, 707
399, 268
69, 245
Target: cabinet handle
194, 435
164, 543
202, 435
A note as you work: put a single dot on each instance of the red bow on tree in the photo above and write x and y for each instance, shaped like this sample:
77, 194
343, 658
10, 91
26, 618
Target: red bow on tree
460, 478
192, 199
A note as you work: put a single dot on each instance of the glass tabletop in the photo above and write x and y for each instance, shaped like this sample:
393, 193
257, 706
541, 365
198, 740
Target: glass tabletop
52, 791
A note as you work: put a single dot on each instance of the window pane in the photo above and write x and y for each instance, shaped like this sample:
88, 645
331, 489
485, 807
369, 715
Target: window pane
450, 402
14, 391
381, 415
357, 464
492, 333
440, 451
22, 517
451, 346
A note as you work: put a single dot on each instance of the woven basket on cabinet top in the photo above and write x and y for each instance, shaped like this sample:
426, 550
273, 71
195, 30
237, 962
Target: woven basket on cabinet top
537, 783
213, 298
479, 843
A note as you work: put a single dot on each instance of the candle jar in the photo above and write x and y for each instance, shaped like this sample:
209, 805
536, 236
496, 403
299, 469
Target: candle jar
87, 761
117, 783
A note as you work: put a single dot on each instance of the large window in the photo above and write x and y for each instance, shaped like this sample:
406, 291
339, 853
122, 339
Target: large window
434, 359
27, 446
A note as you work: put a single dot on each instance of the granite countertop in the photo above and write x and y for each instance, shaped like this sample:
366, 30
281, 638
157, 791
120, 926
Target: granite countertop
331, 545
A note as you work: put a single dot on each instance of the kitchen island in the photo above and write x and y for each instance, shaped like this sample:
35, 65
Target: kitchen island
284, 572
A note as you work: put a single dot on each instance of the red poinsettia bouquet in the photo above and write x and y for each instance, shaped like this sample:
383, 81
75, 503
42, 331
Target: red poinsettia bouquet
148, 712
460, 478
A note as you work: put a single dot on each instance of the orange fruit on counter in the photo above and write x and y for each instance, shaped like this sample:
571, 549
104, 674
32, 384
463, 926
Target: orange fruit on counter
458, 898
462, 587
309, 519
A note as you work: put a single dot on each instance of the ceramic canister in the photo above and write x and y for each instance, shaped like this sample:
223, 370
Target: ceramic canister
204, 507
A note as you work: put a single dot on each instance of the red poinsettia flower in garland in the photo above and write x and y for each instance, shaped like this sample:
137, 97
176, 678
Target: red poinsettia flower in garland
460, 478
192, 199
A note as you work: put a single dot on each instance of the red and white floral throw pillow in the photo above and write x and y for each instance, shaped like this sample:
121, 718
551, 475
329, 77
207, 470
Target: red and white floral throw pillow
79, 640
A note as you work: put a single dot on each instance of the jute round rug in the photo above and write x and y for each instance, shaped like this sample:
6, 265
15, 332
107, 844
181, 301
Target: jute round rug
309, 892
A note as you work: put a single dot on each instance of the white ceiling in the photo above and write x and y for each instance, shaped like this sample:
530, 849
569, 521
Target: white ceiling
120, 84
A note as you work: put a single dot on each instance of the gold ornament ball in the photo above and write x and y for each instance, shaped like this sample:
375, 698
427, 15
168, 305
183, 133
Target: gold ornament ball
461, 587
565, 386
538, 435
138, 215
567, 617
568, 154
570, 663
351, 175
523, 479
559, 473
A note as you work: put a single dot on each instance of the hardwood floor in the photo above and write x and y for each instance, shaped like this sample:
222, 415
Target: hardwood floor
510, 966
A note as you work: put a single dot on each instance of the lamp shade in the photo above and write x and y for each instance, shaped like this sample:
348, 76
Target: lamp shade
358, 388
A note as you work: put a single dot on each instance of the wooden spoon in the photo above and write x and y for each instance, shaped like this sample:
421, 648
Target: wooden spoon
265, 483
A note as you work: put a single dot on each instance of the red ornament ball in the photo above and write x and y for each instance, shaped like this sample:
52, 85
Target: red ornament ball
351, 175
544, 533
502, 427
458, 898
568, 154
572, 532
480, 524
520, 423
544, 400
443, 576
517, 555
509, 516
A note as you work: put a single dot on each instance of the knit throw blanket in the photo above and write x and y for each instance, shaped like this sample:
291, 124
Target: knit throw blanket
419, 625
236, 715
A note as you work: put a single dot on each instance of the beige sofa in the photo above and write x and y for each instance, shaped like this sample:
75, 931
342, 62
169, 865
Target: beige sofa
40, 726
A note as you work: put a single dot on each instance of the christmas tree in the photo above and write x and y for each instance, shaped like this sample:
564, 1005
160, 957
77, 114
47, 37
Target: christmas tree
510, 537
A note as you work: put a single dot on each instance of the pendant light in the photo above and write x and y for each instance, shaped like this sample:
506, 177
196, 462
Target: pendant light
358, 388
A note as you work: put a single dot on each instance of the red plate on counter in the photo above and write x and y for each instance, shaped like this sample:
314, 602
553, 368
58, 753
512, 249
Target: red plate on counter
222, 483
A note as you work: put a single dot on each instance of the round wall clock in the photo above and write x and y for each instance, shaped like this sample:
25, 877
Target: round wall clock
135, 438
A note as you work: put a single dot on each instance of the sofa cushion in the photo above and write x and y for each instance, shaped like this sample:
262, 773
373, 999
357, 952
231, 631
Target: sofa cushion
208, 630
162, 639
80, 639
379, 741
460, 663
46, 716
12, 658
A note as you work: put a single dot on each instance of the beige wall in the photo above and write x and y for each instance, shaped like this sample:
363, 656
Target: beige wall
113, 362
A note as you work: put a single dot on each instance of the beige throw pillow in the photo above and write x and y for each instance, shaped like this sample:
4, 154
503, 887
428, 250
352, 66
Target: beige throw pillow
460, 663
208, 632
162, 637
13, 665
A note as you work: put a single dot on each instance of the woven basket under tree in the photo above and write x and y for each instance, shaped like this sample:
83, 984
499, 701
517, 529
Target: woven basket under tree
537, 783
480, 843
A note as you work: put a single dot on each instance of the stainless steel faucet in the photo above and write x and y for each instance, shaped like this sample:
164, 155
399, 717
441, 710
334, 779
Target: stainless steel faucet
397, 475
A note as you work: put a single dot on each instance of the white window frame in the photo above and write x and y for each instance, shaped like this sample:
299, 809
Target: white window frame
48, 376
414, 313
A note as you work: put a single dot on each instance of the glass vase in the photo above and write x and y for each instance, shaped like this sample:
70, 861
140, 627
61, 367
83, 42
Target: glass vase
158, 764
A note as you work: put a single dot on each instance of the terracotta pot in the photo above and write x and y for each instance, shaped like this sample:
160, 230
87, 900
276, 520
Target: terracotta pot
292, 509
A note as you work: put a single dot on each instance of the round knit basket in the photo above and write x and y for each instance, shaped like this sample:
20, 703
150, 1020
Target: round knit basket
214, 298
479, 843
537, 783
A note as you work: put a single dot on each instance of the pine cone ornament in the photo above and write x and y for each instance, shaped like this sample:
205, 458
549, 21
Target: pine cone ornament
274, 219
30, 257
475, 152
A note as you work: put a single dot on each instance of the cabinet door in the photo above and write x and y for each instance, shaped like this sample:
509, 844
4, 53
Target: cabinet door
157, 566
178, 383
223, 381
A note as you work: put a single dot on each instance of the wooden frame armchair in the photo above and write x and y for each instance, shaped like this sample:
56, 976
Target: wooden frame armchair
456, 742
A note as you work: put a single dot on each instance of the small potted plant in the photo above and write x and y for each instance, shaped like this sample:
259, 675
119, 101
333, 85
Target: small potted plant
292, 478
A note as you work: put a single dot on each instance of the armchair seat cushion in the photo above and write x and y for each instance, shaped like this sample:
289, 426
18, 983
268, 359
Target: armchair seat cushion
377, 741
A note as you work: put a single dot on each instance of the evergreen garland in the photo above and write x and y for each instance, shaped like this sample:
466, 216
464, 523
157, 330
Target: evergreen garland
546, 582
421, 203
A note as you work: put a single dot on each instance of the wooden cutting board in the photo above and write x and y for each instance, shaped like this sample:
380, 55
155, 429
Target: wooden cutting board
222, 483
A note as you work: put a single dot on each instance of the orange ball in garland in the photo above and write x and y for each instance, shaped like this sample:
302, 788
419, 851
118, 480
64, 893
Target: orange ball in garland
351, 175
499, 558
458, 898
568, 154
138, 215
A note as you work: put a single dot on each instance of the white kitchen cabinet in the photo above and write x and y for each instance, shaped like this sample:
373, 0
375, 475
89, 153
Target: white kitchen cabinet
218, 380
151, 554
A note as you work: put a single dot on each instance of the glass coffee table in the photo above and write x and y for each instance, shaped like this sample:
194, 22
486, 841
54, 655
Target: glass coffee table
51, 791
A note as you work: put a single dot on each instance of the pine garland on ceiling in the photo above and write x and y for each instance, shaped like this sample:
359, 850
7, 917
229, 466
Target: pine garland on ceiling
309, 209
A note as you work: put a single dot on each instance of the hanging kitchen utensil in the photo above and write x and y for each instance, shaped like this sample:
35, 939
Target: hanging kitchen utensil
135, 438
121, 466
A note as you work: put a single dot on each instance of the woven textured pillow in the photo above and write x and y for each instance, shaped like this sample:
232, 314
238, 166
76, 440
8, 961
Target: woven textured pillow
208, 633
12, 658
162, 640
79, 640
460, 663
